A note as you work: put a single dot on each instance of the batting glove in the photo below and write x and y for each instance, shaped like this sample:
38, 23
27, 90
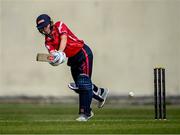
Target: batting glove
59, 58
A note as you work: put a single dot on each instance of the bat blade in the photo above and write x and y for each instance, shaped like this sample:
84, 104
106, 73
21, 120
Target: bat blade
44, 57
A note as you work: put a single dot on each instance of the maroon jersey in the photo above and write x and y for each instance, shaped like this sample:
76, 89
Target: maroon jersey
73, 45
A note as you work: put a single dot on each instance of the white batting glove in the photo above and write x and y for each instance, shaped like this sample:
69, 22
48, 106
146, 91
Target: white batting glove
63, 57
59, 58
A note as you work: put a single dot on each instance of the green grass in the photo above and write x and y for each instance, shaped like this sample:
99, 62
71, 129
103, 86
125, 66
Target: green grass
57, 118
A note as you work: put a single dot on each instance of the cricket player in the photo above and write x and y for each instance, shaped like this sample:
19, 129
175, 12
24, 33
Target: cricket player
62, 44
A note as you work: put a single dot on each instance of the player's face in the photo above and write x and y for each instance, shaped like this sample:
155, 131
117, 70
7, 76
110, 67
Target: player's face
47, 29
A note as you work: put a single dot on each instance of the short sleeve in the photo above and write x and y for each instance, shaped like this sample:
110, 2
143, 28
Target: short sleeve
62, 28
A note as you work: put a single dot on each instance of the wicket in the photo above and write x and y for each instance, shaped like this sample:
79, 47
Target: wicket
159, 93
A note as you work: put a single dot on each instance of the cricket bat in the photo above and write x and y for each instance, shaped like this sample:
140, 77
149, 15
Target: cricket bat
44, 57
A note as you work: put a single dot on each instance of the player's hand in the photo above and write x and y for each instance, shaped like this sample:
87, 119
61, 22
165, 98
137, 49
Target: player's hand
59, 58
56, 57
63, 57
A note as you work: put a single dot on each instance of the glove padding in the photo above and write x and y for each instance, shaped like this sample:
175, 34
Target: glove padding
59, 58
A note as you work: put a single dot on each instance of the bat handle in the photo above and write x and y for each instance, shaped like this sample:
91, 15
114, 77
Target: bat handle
51, 58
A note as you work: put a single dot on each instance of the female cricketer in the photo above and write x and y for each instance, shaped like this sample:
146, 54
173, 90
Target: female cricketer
62, 44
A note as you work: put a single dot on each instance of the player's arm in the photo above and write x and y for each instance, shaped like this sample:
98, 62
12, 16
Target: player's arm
62, 46
59, 55
63, 42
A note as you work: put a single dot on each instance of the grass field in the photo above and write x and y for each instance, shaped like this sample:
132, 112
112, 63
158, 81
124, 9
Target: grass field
58, 118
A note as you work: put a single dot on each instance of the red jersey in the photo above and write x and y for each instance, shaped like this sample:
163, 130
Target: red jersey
73, 45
